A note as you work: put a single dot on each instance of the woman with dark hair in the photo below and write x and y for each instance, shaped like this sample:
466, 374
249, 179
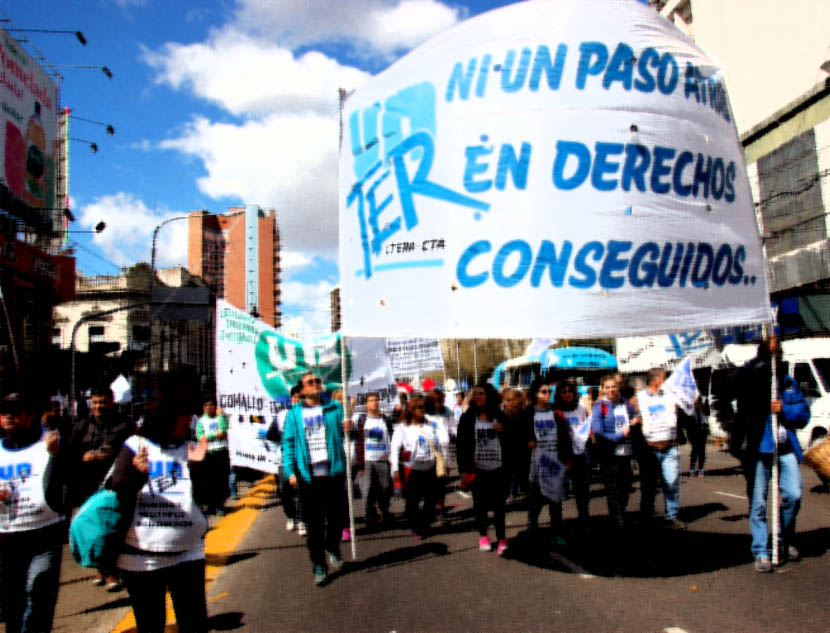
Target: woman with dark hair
32, 525
549, 438
415, 443
566, 405
482, 455
164, 545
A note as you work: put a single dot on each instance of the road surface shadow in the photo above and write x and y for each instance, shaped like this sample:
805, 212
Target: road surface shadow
226, 621
394, 558
647, 552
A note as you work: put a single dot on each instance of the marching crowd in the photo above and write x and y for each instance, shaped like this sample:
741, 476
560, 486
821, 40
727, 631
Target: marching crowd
537, 443
531, 445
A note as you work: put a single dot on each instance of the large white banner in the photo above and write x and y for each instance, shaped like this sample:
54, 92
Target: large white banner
566, 169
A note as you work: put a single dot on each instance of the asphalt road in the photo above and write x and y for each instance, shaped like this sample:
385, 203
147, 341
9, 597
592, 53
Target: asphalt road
696, 580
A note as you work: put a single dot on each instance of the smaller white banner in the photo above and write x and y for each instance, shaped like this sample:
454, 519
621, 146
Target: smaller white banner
249, 448
414, 356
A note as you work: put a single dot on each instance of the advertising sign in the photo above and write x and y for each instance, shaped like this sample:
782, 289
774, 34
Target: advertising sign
28, 126
565, 169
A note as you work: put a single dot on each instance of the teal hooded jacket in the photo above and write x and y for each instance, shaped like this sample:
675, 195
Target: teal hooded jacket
295, 457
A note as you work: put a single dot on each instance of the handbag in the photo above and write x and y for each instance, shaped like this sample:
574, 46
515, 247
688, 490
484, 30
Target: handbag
817, 457
440, 462
94, 535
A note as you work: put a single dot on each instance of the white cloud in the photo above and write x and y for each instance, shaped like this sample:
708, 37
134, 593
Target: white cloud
306, 309
288, 163
128, 236
291, 261
253, 77
384, 26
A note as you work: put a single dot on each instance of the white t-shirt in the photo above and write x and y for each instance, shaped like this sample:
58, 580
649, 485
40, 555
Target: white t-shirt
544, 427
376, 440
580, 425
21, 475
412, 441
167, 524
621, 422
488, 447
659, 412
314, 425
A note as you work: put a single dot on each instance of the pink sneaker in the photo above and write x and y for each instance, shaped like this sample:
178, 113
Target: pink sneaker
502, 547
347, 535
484, 544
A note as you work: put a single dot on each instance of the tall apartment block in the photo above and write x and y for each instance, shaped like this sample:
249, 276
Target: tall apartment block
238, 256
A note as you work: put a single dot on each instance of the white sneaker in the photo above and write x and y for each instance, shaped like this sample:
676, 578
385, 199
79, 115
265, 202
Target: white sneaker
301, 529
289, 525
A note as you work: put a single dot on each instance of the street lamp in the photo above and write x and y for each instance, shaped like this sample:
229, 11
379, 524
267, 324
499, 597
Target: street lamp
98, 228
93, 146
110, 129
155, 237
103, 69
80, 36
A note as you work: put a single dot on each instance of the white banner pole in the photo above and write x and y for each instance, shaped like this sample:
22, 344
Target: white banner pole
345, 378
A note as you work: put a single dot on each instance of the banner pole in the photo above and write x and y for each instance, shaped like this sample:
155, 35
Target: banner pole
349, 492
776, 528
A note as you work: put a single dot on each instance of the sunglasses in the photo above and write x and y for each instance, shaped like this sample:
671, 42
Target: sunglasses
313, 381
544, 391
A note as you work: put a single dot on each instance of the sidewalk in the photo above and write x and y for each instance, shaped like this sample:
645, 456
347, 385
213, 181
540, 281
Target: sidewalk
85, 607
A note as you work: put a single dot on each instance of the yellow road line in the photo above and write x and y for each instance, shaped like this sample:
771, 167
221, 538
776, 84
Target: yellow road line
220, 543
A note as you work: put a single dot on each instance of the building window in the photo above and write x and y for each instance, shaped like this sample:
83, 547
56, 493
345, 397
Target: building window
790, 188
96, 333
56, 336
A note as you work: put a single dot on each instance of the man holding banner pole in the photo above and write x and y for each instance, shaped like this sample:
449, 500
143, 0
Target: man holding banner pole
315, 463
769, 424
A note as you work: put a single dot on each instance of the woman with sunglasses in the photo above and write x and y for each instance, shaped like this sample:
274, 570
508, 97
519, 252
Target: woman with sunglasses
549, 438
314, 460
482, 455
415, 443
566, 405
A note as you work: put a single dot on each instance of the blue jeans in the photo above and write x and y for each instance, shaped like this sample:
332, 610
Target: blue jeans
663, 464
789, 482
30, 568
669, 461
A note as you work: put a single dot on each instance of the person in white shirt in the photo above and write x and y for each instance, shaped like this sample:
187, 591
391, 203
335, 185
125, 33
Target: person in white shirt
164, 546
291, 504
415, 443
443, 420
659, 459
32, 523
373, 432
566, 404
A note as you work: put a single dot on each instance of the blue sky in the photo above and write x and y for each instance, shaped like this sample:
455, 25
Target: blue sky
216, 104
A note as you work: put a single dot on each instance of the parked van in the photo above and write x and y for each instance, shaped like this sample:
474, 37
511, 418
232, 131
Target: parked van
807, 360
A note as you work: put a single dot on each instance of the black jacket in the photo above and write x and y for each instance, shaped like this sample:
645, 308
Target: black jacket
466, 441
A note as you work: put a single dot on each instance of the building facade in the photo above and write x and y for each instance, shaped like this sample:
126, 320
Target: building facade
776, 60
112, 326
238, 256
